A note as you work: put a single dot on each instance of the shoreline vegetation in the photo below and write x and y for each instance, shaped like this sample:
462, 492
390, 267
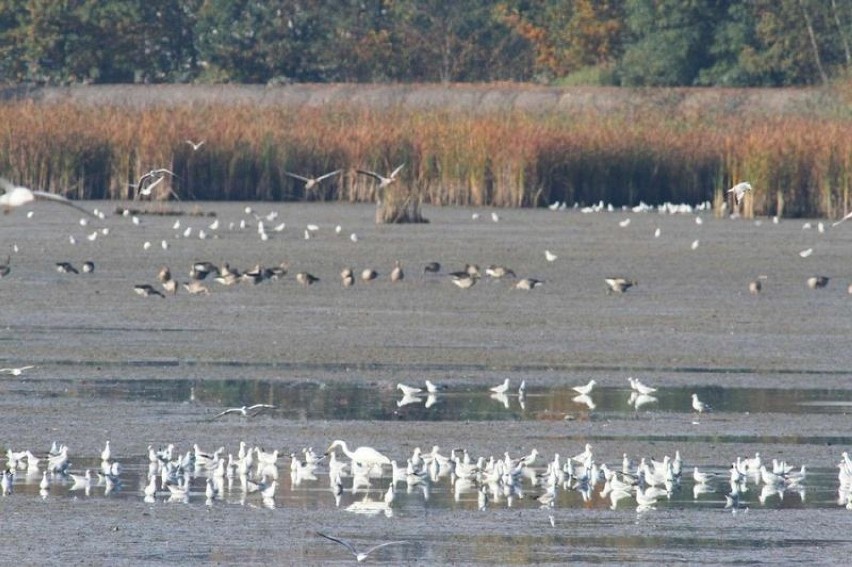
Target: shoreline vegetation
495, 145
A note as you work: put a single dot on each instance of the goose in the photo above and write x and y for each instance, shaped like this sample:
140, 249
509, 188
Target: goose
146, 290
306, 279
528, 284
397, 274
13, 196
347, 278
464, 280
618, 284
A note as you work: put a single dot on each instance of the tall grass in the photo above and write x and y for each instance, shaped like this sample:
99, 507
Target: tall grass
798, 164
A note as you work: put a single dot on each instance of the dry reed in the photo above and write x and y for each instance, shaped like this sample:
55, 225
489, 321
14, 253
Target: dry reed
799, 165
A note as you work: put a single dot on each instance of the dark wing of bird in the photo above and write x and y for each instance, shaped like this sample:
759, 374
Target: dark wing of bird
345, 544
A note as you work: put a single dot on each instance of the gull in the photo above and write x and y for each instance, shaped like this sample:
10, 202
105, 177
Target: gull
806, 253
311, 182
586, 389
408, 390
739, 190
624, 223
106, 453
246, 411
640, 387
585, 400
502, 388
195, 145
383, 181
15, 371
657, 232
618, 284
644, 399
700, 406
550, 256
366, 456
817, 282
160, 175
702, 477
13, 196
847, 217
359, 556
433, 388
695, 244
495, 217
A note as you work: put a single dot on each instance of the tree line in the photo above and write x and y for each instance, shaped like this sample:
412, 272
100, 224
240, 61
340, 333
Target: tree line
610, 42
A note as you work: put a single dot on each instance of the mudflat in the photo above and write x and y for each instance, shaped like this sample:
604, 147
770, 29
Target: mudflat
140, 371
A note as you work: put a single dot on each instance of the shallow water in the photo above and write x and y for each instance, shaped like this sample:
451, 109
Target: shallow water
151, 371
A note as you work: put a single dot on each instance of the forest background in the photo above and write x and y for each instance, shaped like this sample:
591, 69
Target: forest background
797, 159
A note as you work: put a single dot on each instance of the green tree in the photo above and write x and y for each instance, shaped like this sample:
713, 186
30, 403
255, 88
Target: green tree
669, 41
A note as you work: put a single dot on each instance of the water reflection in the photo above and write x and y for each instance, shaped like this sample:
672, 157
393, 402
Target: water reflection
463, 402
433, 489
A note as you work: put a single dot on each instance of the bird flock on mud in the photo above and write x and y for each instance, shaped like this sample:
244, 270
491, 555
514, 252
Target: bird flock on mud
366, 478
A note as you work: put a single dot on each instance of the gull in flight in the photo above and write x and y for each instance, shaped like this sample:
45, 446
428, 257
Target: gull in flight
311, 182
383, 181
12, 196
195, 145
739, 190
359, 556
249, 411
15, 371
847, 217
158, 175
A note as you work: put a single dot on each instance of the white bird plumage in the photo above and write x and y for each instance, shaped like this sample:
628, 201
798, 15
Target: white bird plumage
13, 196
359, 555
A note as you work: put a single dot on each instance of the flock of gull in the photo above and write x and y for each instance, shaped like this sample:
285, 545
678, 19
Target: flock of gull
366, 478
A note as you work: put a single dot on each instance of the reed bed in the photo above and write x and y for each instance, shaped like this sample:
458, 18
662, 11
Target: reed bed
798, 164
